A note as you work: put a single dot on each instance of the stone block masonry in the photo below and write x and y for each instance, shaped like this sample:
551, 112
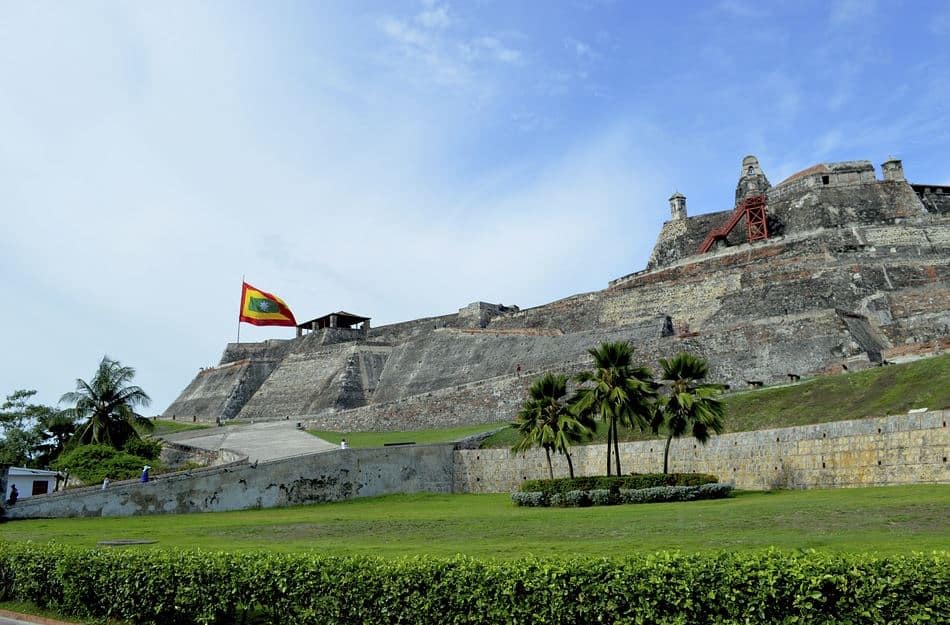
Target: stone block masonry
855, 269
315, 478
903, 449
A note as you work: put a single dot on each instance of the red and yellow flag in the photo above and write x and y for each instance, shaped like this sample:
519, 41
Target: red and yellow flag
260, 308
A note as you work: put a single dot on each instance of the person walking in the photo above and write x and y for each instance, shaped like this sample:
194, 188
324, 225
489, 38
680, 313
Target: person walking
14, 495
105, 483
144, 477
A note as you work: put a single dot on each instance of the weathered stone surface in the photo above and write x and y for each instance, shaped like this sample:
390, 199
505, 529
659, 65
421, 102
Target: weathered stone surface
314, 478
903, 449
857, 269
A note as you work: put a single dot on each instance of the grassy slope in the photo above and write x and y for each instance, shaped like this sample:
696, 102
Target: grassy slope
888, 520
172, 427
873, 392
378, 439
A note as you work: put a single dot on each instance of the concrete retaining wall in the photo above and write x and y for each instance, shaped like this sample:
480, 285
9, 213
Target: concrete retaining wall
328, 476
904, 449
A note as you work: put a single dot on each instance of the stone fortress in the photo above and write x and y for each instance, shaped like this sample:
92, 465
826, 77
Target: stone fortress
830, 269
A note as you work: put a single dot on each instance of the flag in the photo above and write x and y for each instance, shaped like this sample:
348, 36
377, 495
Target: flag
263, 309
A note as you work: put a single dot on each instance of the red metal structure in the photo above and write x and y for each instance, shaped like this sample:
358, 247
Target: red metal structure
753, 210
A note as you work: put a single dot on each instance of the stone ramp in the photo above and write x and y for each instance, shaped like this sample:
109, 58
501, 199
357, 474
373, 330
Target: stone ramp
258, 441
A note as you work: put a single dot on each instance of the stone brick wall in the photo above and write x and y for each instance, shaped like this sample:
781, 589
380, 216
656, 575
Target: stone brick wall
860, 269
220, 392
315, 478
903, 449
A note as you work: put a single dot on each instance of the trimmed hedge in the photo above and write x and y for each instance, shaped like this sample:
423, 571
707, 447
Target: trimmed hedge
166, 587
604, 497
614, 483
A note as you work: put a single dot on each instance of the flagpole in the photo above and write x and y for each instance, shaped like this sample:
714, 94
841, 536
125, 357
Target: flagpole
240, 309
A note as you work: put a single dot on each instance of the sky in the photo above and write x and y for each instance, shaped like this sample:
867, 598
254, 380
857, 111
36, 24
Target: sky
402, 159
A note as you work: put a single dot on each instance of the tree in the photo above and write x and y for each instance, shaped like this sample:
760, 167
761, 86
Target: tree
105, 406
55, 431
690, 405
545, 420
617, 392
20, 426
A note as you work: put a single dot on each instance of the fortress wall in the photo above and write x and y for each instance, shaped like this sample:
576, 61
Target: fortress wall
219, 392
485, 401
935, 198
314, 478
306, 381
397, 332
770, 349
682, 238
903, 449
800, 206
765, 351
571, 314
448, 358
272, 349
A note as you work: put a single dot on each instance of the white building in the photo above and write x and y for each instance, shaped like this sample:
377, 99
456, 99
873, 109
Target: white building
31, 482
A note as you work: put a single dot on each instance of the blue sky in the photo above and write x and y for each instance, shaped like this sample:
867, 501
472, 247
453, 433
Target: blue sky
402, 159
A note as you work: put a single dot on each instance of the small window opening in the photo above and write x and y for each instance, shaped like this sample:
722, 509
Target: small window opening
825, 180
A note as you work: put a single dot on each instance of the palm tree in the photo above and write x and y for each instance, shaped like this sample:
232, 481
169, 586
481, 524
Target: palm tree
107, 405
54, 430
545, 421
690, 405
616, 391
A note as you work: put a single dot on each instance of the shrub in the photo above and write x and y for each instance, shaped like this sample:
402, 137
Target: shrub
143, 448
190, 588
91, 463
531, 500
603, 497
615, 483
575, 499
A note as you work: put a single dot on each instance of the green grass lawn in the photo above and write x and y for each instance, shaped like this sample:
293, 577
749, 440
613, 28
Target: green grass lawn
163, 427
874, 392
896, 519
378, 439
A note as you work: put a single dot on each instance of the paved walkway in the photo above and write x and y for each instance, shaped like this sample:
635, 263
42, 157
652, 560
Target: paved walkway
269, 440
14, 618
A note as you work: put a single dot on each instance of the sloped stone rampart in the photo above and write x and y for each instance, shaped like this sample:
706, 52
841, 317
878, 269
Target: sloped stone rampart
902, 449
443, 359
855, 269
220, 392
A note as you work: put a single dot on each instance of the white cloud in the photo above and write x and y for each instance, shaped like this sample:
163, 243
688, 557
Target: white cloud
435, 53
434, 16
579, 48
498, 50
402, 33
